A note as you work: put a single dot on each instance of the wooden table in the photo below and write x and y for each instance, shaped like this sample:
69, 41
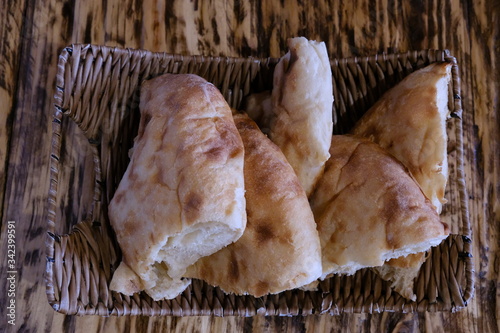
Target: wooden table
34, 32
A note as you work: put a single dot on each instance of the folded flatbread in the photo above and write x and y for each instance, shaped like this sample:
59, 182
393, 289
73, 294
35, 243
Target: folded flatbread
279, 249
182, 195
369, 209
409, 121
302, 98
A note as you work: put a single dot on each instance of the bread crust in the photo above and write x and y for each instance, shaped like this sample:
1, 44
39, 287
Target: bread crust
369, 209
182, 195
279, 249
302, 100
409, 121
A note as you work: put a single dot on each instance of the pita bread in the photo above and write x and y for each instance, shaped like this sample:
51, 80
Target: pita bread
279, 249
369, 209
182, 195
401, 272
410, 122
302, 99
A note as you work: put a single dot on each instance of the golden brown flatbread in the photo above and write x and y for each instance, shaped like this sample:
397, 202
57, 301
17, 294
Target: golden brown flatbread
369, 209
279, 249
182, 195
409, 121
302, 99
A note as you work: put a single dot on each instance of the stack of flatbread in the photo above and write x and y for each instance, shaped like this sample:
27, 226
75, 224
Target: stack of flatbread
208, 195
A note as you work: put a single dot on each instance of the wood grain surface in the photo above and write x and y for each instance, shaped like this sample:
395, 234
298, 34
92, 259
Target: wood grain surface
34, 32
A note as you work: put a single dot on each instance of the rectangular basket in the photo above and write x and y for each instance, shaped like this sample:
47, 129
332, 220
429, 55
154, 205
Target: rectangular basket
95, 121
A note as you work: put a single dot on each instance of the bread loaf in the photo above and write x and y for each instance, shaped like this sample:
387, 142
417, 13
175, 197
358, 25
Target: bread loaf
369, 209
409, 121
279, 249
301, 101
182, 195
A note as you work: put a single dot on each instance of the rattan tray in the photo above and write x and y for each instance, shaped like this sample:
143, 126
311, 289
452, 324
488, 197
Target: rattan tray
97, 90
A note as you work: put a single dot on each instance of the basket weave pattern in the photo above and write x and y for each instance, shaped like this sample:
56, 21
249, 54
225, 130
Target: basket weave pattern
97, 89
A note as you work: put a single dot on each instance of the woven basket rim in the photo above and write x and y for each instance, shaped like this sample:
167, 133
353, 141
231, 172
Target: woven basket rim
60, 109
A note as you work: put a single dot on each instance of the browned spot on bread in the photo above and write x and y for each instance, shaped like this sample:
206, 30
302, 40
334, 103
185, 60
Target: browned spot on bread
291, 137
131, 226
243, 124
118, 197
251, 145
191, 206
215, 153
233, 270
247, 128
263, 180
390, 207
156, 177
262, 288
263, 232
227, 145
229, 210
235, 152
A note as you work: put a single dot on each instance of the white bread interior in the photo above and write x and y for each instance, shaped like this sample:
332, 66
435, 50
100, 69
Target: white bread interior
302, 98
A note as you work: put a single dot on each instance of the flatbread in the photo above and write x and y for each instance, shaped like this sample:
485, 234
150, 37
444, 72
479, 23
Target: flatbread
302, 99
369, 209
182, 195
279, 249
409, 121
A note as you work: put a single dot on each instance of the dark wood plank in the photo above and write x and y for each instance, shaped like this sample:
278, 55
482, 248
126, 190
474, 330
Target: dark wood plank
30, 90
485, 103
243, 28
11, 30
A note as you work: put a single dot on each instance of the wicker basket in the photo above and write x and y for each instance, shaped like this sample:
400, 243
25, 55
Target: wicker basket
97, 91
